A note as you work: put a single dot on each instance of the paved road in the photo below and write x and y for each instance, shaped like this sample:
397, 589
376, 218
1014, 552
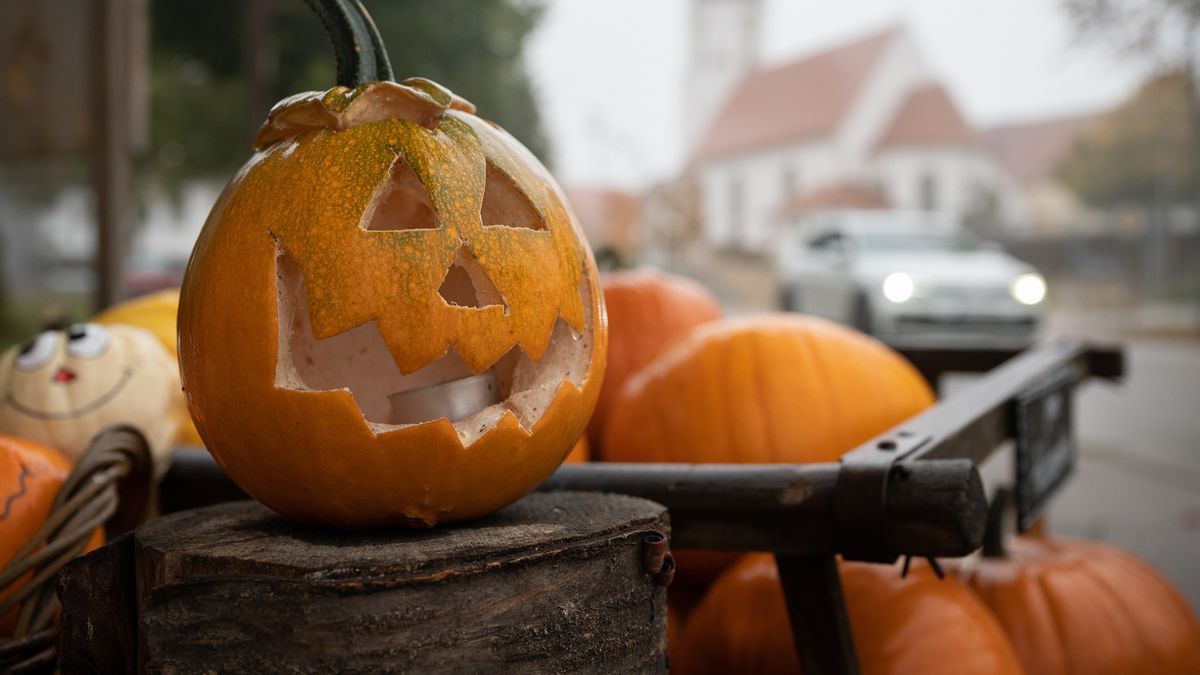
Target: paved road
1138, 481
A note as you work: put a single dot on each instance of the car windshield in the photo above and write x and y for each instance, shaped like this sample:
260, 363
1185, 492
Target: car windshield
897, 240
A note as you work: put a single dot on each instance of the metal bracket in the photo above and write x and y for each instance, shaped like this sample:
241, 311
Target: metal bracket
860, 497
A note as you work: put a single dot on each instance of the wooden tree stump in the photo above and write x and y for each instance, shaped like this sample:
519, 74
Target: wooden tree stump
553, 583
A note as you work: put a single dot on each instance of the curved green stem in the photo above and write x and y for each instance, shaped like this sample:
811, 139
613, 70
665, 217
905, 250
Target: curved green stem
361, 56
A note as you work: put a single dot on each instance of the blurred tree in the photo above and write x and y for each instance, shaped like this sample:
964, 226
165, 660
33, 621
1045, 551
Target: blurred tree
1140, 152
218, 65
1167, 32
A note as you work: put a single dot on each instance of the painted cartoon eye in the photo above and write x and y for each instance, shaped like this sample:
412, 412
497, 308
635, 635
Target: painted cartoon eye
87, 340
37, 352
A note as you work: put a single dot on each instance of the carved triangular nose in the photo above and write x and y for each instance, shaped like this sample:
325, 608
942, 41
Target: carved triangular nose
468, 285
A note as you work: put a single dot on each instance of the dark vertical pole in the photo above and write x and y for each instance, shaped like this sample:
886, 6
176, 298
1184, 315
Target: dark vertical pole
817, 611
260, 63
112, 147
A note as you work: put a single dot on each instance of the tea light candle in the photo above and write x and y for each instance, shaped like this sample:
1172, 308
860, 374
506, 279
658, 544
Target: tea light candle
452, 400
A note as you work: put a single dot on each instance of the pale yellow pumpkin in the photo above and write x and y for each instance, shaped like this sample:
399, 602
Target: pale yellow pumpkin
65, 386
156, 313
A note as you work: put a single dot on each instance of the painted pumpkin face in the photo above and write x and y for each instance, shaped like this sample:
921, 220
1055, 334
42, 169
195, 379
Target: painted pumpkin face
63, 387
391, 316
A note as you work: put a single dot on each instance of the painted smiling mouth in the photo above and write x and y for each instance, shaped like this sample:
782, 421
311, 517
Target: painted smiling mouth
95, 404
358, 360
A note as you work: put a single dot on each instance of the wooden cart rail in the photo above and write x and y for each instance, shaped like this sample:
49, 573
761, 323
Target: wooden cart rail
911, 491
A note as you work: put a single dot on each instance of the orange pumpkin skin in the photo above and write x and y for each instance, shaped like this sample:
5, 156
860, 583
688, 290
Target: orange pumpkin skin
580, 454
308, 197
648, 311
774, 388
30, 475
1072, 607
918, 624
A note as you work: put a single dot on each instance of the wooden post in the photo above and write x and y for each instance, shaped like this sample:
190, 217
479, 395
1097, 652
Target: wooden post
553, 583
112, 148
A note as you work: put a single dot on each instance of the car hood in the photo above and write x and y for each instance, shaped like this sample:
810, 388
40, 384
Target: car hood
967, 268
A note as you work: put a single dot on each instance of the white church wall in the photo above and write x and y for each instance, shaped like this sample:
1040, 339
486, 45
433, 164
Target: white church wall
955, 178
764, 179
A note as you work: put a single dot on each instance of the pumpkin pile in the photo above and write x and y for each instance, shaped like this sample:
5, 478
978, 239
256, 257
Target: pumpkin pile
796, 389
915, 624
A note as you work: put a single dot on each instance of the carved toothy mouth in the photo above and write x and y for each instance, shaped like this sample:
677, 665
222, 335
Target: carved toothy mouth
358, 361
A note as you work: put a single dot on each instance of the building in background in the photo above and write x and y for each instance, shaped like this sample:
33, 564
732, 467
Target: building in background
866, 116
1032, 152
611, 219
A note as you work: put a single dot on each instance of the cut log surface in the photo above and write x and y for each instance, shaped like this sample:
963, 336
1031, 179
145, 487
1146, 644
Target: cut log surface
553, 583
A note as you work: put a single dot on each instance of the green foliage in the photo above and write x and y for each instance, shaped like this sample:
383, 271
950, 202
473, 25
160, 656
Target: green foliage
1140, 152
203, 103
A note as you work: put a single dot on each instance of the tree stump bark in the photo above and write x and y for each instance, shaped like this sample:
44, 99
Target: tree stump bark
553, 583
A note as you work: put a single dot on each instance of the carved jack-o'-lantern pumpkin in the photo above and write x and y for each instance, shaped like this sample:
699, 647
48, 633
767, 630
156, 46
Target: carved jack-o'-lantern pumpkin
391, 316
65, 386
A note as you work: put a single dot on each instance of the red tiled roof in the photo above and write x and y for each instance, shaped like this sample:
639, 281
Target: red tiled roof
928, 117
794, 101
835, 196
1032, 151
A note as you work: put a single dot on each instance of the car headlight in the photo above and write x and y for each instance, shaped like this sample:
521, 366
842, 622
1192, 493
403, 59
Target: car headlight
898, 287
1028, 289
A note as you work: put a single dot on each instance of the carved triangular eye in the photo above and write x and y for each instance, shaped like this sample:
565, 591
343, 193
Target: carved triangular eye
504, 204
467, 285
401, 203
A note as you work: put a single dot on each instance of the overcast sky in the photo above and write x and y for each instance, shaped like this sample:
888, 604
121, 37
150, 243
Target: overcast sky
609, 73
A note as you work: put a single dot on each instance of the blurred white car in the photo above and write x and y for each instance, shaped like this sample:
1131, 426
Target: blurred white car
908, 276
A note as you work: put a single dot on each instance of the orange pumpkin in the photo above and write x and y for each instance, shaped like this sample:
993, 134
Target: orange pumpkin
30, 475
1072, 607
901, 626
648, 311
776, 388
580, 454
391, 316
155, 312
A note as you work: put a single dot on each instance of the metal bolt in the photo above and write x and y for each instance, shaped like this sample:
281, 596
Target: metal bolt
667, 574
654, 552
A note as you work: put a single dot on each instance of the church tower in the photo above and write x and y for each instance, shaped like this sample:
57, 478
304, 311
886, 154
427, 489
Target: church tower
724, 36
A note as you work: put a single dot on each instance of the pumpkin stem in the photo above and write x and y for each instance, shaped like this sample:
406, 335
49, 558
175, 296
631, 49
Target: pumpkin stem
993, 535
361, 56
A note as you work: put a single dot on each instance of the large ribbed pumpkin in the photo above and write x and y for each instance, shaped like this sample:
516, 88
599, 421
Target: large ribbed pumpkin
1074, 607
901, 626
648, 311
155, 312
774, 388
391, 316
